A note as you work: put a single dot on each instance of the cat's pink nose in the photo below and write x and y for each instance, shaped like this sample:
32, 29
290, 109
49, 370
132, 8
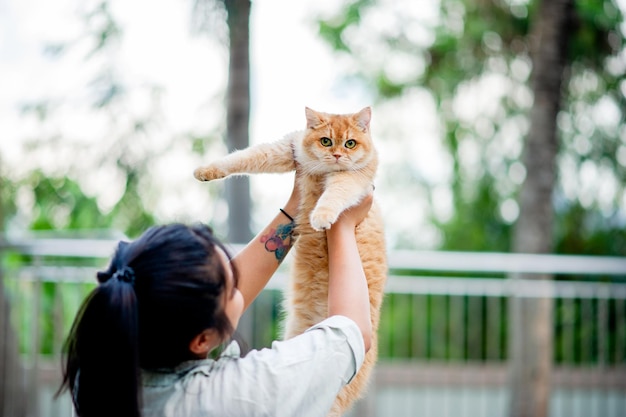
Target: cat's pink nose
337, 156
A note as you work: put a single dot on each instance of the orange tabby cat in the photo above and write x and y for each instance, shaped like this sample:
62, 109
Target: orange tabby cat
338, 162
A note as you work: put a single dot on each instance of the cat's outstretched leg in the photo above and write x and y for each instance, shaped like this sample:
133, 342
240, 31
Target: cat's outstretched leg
274, 157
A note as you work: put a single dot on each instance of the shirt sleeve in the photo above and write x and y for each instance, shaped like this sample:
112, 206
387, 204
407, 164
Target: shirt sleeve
352, 335
300, 376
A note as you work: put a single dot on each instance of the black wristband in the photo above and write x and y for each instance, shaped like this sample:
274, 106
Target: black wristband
285, 213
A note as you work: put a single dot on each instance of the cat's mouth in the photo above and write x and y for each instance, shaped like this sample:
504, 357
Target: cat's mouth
338, 165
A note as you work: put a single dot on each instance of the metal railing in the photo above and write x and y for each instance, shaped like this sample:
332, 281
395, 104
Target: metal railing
442, 338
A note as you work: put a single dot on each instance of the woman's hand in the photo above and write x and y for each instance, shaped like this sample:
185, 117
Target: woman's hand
352, 216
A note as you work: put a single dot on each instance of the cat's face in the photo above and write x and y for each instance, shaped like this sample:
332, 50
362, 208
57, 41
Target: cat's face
334, 142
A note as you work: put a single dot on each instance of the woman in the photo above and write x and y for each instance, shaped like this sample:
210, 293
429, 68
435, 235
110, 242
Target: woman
140, 343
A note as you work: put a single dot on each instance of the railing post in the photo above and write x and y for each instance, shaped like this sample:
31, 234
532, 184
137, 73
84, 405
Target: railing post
3, 340
33, 382
12, 388
4, 344
530, 350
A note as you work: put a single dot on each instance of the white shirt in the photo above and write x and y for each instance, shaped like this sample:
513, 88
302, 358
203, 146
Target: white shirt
297, 377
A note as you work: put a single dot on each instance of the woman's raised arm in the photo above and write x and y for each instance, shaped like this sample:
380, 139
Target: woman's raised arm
257, 262
348, 294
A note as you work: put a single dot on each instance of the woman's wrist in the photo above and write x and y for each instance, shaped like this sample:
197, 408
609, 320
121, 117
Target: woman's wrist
340, 230
293, 203
290, 209
287, 215
345, 223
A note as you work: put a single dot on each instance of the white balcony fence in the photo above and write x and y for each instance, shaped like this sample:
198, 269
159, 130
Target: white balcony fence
442, 338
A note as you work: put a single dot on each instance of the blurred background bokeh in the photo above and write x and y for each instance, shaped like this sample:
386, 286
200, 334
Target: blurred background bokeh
500, 126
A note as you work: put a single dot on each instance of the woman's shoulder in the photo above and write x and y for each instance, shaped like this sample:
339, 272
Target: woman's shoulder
325, 342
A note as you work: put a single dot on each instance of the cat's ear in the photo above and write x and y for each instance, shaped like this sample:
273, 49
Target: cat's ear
313, 118
363, 118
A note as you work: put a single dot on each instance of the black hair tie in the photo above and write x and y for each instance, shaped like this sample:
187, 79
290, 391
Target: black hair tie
125, 274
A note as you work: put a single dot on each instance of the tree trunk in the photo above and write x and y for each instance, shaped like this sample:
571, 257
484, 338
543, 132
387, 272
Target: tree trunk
530, 327
238, 116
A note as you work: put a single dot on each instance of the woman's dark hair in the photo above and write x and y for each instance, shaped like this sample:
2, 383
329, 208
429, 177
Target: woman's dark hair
158, 293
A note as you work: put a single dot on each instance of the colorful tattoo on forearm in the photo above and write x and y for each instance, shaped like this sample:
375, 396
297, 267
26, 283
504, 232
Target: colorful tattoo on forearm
279, 240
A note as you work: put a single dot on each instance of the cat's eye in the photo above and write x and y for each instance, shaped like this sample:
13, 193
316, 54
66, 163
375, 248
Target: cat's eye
350, 143
326, 142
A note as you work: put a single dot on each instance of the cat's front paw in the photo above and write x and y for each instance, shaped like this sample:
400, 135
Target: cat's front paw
323, 218
208, 173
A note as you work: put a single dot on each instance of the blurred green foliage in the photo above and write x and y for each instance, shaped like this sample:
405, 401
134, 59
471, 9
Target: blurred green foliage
472, 40
60, 204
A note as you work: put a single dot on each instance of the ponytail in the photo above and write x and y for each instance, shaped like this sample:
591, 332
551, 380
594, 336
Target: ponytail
102, 362
144, 321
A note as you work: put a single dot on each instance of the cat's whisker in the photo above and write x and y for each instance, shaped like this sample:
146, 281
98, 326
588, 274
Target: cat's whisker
316, 168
